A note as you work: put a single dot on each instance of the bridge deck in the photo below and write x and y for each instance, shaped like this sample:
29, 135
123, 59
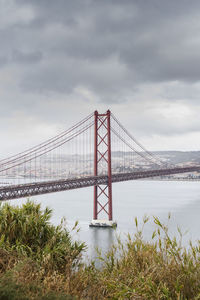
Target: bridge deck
39, 188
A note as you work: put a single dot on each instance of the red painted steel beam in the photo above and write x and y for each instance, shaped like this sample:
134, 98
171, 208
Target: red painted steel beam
95, 163
109, 169
102, 151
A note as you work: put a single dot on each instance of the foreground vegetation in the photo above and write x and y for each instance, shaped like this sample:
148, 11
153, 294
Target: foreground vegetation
40, 261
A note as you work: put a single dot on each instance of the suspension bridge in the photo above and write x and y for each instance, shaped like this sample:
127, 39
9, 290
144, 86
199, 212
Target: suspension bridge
97, 151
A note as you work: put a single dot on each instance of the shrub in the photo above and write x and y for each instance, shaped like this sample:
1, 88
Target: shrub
27, 230
40, 261
158, 269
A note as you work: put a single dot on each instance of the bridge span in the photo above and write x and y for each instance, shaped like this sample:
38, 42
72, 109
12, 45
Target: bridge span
39, 188
77, 157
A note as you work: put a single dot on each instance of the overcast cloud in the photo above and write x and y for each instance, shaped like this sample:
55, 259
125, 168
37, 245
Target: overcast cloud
60, 60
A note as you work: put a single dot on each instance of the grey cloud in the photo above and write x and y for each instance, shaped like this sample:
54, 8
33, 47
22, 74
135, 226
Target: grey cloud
112, 49
26, 57
64, 77
182, 92
3, 60
152, 39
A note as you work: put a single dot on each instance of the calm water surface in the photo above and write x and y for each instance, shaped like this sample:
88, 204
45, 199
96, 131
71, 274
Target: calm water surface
130, 199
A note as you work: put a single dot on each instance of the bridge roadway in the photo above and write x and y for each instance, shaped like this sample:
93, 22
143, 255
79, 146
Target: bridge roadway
45, 187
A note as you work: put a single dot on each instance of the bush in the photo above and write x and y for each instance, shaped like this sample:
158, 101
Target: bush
28, 231
157, 269
40, 261
33, 252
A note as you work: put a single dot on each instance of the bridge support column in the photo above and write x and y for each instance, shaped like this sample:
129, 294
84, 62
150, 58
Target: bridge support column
102, 165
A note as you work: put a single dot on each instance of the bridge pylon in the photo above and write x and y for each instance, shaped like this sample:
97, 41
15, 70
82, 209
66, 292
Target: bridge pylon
102, 165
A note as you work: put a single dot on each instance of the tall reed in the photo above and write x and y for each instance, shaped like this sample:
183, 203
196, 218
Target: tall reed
41, 261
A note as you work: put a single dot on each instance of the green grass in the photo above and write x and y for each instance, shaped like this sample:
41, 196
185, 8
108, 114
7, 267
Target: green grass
41, 261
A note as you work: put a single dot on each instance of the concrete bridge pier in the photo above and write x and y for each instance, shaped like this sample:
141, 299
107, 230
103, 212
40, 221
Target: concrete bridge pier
103, 223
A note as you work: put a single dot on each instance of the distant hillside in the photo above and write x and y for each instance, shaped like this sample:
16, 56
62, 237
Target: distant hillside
174, 157
177, 157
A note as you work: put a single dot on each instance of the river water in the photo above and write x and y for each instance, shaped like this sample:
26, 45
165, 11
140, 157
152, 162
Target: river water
130, 199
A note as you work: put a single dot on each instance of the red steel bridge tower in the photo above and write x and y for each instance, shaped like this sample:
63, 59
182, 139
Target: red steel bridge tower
102, 163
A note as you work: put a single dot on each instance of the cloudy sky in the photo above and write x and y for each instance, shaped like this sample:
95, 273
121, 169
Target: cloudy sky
61, 60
